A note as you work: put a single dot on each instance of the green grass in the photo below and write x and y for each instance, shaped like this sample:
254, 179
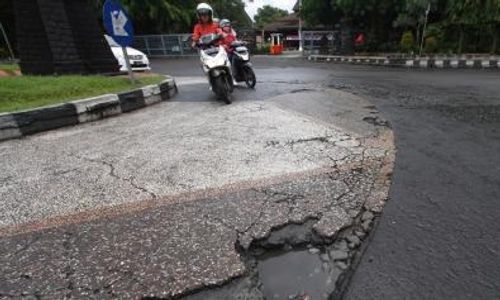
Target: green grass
9, 67
24, 92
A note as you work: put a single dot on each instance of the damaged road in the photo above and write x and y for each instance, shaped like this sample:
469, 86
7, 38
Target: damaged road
197, 200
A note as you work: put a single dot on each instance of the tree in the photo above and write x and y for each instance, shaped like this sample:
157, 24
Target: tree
463, 14
412, 16
491, 19
174, 16
7, 19
375, 17
233, 10
319, 12
159, 16
384, 21
268, 14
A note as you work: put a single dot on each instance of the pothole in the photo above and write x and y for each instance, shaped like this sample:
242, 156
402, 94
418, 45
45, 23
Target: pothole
304, 90
377, 121
297, 274
295, 263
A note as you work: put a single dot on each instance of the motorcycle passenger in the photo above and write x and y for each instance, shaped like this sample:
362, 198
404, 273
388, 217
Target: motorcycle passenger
206, 24
229, 36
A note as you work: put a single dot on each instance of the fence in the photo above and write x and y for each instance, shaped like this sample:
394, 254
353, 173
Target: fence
314, 42
165, 45
179, 44
321, 42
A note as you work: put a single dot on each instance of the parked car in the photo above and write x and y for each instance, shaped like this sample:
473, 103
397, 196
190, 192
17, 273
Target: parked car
138, 60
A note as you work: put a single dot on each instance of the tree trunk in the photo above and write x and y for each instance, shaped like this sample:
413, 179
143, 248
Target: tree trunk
347, 37
494, 44
461, 40
417, 36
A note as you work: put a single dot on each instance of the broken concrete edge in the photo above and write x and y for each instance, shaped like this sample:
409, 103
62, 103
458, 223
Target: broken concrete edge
437, 63
19, 124
345, 244
344, 251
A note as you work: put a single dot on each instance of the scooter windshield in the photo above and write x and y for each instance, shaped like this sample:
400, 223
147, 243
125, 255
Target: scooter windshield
209, 39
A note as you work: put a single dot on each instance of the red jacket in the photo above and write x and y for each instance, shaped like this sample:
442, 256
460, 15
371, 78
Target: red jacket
228, 40
204, 29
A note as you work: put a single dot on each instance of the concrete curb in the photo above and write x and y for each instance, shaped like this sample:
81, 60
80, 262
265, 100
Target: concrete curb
18, 124
454, 63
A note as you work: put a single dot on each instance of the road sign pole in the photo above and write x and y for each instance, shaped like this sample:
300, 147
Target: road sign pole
7, 41
119, 26
127, 63
301, 43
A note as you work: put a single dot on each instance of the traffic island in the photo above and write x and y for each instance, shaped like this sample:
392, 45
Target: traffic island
464, 62
33, 91
195, 199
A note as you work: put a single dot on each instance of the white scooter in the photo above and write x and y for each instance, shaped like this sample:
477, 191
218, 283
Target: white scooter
216, 65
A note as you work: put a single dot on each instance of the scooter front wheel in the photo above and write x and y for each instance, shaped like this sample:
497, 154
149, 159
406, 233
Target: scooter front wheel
222, 89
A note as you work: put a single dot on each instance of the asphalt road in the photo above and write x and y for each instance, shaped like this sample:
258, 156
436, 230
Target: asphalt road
137, 216
439, 236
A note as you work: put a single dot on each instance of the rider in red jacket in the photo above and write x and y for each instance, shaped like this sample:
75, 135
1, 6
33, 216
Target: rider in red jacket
206, 24
228, 34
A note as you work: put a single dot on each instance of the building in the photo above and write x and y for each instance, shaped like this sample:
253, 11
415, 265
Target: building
289, 26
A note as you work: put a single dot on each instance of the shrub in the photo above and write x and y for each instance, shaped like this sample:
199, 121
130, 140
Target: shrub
4, 53
431, 44
265, 49
435, 30
388, 47
407, 41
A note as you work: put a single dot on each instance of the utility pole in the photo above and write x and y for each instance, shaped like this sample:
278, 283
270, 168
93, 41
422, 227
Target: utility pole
7, 41
301, 44
425, 28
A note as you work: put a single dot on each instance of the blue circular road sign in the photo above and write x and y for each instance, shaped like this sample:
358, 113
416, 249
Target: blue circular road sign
118, 23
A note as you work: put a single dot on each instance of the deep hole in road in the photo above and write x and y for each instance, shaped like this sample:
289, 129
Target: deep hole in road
295, 263
297, 274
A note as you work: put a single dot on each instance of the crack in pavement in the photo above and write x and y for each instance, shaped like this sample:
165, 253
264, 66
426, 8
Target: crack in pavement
257, 219
280, 196
322, 139
69, 271
185, 232
114, 174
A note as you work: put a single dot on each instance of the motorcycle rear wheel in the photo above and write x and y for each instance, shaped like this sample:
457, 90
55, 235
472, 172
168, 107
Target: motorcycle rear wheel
250, 78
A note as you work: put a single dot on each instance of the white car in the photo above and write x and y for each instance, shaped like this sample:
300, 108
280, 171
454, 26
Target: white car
138, 60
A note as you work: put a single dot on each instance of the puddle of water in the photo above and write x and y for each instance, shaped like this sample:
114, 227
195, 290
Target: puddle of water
296, 273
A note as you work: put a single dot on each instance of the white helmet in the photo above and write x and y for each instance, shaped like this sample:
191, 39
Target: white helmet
204, 8
224, 22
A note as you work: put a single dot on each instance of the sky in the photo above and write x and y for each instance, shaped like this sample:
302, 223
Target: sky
284, 4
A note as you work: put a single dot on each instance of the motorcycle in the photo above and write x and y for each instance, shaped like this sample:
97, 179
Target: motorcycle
242, 67
216, 65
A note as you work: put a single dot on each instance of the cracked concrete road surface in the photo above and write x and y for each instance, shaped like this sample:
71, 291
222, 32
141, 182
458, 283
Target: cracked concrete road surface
176, 198
274, 197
